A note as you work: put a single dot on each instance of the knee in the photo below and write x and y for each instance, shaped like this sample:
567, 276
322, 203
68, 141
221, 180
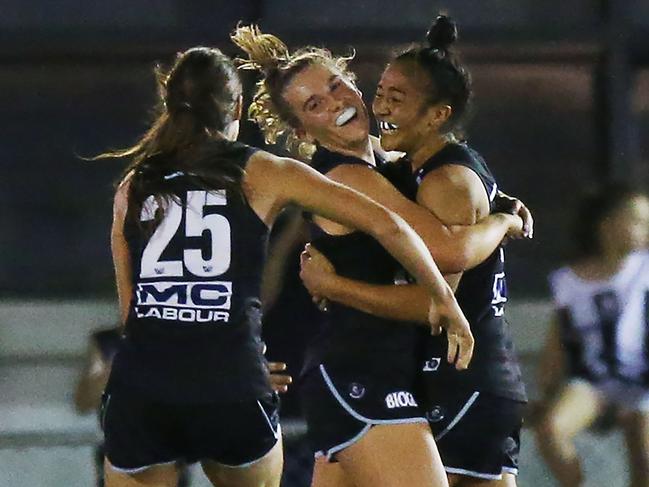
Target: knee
550, 428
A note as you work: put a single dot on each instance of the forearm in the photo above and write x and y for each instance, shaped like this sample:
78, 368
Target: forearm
475, 243
87, 396
405, 303
457, 248
122, 264
124, 292
120, 252
411, 251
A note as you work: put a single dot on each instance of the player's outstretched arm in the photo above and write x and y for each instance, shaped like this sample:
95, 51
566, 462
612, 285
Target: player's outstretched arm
293, 182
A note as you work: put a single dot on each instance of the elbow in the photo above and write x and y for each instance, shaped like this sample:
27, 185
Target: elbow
454, 262
463, 260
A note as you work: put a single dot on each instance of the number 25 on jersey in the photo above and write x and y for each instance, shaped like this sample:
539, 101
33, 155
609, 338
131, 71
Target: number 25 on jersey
197, 223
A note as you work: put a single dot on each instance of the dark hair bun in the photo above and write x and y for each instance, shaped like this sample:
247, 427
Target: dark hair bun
442, 33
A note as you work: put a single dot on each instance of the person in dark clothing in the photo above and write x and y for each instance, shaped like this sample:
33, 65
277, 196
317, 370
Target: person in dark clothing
420, 104
357, 384
191, 217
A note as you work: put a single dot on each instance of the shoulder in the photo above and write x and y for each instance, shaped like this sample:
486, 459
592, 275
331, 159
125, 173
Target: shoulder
262, 163
271, 175
641, 256
455, 193
560, 274
639, 266
562, 282
455, 176
456, 164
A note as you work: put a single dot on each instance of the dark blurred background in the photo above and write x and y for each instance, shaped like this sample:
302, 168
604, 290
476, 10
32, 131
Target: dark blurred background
561, 103
560, 85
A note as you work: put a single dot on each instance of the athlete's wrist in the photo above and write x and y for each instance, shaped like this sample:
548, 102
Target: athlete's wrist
334, 287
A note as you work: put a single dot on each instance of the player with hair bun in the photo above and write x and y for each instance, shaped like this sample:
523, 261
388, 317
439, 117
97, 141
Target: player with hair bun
421, 101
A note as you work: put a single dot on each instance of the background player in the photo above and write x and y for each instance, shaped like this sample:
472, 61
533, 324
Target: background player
596, 352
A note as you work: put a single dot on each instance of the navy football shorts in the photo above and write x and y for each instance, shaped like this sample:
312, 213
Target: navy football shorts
340, 407
140, 433
477, 434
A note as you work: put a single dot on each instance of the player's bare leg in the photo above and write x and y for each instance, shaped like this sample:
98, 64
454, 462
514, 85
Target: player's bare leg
156, 476
327, 474
403, 455
576, 407
267, 472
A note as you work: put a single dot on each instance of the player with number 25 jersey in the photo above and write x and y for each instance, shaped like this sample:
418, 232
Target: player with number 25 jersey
195, 295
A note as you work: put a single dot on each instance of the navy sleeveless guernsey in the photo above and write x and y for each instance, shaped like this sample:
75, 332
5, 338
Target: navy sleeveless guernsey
349, 338
193, 330
482, 294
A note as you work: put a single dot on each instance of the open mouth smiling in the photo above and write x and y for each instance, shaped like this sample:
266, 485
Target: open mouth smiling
387, 127
348, 114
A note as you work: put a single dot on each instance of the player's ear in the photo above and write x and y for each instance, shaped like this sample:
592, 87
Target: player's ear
437, 115
238, 108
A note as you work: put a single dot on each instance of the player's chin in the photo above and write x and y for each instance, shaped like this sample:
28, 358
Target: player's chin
353, 137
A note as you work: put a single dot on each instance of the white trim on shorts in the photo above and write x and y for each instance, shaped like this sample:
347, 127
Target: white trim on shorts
335, 449
268, 421
459, 416
277, 434
133, 471
136, 470
480, 475
360, 417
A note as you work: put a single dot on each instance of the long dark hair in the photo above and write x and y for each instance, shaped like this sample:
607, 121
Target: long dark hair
198, 98
449, 81
594, 207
